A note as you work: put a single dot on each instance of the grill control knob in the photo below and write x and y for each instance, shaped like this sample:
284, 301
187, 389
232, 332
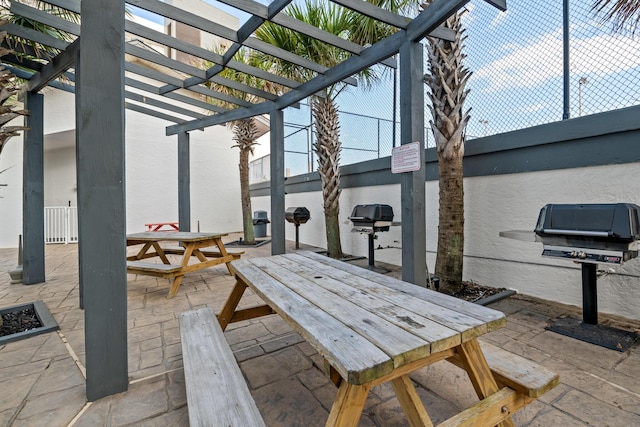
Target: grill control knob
582, 255
574, 254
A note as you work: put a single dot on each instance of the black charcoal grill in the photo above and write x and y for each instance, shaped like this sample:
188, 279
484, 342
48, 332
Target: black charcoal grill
297, 216
371, 219
590, 234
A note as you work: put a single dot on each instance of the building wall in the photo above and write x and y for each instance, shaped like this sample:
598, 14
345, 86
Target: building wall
151, 173
508, 179
11, 194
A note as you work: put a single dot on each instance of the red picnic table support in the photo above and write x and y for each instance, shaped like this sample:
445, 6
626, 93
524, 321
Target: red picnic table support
159, 226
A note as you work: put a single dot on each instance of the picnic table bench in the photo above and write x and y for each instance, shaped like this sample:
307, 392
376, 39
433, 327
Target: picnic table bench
217, 393
372, 329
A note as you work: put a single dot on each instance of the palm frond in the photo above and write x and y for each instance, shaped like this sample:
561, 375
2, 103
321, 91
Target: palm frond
624, 14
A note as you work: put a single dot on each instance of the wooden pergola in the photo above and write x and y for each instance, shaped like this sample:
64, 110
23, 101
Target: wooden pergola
95, 69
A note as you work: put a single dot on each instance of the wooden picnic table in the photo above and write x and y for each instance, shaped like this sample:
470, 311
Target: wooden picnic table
163, 226
371, 331
192, 245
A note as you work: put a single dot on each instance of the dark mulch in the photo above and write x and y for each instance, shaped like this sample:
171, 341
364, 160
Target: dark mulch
17, 321
243, 243
473, 292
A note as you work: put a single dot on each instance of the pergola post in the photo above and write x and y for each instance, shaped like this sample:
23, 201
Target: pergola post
78, 124
101, 196
414, 266
33, 191
184, 182
277, 182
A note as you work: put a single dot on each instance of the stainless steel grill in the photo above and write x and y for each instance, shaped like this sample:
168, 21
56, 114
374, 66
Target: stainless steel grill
297, 216
590, 233
370, 219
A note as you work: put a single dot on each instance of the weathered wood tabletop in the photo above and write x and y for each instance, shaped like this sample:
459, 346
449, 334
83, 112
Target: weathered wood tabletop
367, 327
191, 250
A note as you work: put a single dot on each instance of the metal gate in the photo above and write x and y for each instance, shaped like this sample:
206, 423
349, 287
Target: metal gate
61, 224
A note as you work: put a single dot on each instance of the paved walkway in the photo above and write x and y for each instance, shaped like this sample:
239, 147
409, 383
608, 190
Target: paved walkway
42, 382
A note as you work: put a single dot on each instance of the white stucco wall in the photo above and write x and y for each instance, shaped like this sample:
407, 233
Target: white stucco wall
494, 204
11, 194
60, 187
151, 173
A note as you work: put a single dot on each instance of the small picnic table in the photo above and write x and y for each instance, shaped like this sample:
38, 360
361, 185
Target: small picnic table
371, 331
163, 226
192, 247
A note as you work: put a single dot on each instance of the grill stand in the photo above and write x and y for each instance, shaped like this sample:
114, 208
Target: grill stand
297, 236
588, 329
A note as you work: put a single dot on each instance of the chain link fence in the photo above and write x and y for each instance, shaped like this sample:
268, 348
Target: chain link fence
518, 64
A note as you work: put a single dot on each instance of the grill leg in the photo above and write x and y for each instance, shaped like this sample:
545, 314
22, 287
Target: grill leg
297, 236
371, 261
589, 294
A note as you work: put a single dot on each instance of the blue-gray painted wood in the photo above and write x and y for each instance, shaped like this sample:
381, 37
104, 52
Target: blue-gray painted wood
184, 182
58, 65
33, 192
101, 196
277, 183
412, 184
78, 90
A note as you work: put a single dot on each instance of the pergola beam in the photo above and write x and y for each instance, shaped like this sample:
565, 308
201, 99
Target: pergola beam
173, 95
154, 102
203, 24
374, 12
286, 21
154, 113
35, 36
58, 65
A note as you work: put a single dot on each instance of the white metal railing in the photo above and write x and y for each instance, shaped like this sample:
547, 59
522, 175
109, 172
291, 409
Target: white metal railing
61, 224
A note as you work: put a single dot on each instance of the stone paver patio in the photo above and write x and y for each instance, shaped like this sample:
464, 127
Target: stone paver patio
42, 379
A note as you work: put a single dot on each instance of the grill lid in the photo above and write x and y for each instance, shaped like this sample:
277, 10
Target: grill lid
297, 215
371, 213
617, 222
371, 218
592, 233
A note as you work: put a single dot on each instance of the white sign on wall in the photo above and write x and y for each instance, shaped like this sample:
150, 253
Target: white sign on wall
406, 158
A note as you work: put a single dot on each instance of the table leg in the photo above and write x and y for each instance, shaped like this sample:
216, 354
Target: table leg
175, 285
224, 253
411, 402
188, 251
347, 408
232, 302
479, 372
160, 252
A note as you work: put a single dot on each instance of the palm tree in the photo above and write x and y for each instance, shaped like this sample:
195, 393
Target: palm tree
8, 108
37, 49
346, 24
446, 81
8, 81
625, 14
245, 130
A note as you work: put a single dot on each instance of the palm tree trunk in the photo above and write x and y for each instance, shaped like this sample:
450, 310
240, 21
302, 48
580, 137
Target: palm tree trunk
449, 259
244, 136
245, 195
327, 147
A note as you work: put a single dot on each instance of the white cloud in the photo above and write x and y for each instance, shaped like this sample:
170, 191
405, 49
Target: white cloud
533, 108
533, 64
500, 17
